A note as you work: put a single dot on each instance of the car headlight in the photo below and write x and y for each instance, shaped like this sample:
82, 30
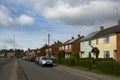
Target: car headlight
43, 62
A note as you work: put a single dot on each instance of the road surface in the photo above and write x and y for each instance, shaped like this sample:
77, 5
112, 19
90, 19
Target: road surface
19, 69
34, 72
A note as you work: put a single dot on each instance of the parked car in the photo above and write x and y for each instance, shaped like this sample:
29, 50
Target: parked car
25, 57
45, 61
31, 59
37, 60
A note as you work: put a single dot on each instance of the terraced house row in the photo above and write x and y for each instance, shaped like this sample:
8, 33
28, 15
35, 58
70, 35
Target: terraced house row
104, 43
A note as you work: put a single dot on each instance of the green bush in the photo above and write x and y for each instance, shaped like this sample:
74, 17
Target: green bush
55, 60
61, 54
110, 67
68, 61
88, 62
74, 55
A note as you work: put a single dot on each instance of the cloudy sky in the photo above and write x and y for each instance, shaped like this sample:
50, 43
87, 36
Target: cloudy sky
28, 22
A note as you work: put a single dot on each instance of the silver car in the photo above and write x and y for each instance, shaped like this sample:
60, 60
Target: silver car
45, 61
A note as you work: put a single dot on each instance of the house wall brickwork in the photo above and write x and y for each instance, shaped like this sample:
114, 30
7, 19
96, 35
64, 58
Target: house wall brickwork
118, 47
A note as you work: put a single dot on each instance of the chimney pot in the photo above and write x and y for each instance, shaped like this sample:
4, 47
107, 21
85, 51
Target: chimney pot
58, 41
101, 28
118, 22
78, 35
72, 37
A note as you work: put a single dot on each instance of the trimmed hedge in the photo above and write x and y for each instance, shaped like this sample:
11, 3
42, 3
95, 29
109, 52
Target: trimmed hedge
68, 61
110, 67
84, 62
55, 60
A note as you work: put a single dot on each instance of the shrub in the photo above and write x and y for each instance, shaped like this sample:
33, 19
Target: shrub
74, 55
55, 60
61, 55
68, 61
110, 67
86, 62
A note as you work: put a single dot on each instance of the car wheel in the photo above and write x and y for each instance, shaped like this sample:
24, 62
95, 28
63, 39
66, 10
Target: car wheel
51, 65
42, 65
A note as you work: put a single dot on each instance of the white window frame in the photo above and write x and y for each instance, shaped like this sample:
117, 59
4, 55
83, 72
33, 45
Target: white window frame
66, 46
70, 46
106, 54
106, 39
97, 41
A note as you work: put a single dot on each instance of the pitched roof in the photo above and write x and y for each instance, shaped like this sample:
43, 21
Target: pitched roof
68, 41
90, 36
73, 40
114, 29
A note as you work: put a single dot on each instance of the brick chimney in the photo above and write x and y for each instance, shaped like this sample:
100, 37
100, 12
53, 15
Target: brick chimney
72, 37
101, 28
118, 22
78, 35
58, 41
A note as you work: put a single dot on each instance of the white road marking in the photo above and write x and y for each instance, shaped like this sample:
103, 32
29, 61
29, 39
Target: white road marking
82, 75
85, 76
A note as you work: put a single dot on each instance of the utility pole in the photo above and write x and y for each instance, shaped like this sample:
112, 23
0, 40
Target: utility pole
48, 43
48, 39
14, 42
117, 16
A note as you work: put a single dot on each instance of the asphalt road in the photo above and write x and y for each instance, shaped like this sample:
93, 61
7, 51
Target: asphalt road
34, 72
8, 69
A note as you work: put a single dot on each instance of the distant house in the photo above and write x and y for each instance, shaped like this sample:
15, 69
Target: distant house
71, 45
54, 48
31, 52
2, 53
44, 50
86, 45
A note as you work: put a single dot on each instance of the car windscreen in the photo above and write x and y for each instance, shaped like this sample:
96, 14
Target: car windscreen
46, 58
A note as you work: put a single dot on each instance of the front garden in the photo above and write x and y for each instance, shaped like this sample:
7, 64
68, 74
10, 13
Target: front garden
104, 65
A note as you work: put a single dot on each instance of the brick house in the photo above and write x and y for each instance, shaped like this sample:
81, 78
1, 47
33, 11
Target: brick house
43, 50
31, 52
54, 48
71, 45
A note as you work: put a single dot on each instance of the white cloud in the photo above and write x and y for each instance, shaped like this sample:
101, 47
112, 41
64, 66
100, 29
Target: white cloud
82, 14
79, 16
25, 20
77, 12
5, 16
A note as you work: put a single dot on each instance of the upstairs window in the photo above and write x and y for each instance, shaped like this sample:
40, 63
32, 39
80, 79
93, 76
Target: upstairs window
106, 40
97, 41
89, 43
62, 47
70, 46
66, 47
